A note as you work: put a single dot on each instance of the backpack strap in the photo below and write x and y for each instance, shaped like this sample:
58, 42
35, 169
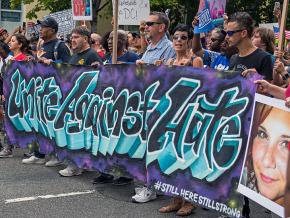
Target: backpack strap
55, 49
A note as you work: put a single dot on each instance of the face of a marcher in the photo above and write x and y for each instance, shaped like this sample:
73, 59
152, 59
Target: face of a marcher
180, 41
77, 41
121, 43
214, 42
153, 29
235, 38
130, 40
14, 44
270, 154
256, 40
45, 32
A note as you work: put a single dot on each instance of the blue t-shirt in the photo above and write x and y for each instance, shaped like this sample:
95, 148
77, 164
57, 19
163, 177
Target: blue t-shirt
128, 58
221, 62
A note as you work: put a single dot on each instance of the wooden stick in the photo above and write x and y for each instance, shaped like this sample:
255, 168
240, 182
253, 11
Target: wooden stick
283, 25
115, 31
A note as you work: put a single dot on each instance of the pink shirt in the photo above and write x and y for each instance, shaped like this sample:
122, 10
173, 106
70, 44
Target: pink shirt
287, 93
20, 57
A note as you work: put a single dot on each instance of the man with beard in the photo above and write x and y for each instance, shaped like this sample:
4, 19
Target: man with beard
83, 54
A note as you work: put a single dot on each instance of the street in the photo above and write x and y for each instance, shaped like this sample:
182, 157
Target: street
39, 191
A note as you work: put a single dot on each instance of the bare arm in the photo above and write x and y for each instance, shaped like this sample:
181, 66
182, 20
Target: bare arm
196, 43
268, 88
197, 62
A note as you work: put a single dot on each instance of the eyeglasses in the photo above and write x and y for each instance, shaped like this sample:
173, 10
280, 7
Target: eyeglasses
148, 23
230, 33
179, 38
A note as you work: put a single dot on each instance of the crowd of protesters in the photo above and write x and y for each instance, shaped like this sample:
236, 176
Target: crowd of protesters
236, 45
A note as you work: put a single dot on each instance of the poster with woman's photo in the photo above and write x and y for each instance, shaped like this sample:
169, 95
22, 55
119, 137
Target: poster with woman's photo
264, 171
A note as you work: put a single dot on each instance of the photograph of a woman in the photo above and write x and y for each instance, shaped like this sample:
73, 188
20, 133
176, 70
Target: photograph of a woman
267, 156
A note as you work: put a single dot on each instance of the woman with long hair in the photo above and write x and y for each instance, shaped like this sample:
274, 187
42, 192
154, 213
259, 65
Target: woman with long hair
19, 45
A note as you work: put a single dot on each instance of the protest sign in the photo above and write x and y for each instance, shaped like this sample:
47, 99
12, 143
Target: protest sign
204, 19
264, 170
131, 12
180, 129
82, 9
65, 21
216, 7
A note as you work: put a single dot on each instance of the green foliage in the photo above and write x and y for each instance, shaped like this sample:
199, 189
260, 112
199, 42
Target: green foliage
180, 11
51, 5
184, 11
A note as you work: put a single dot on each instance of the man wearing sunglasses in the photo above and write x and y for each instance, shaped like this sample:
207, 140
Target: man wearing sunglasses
249, 58
160, 47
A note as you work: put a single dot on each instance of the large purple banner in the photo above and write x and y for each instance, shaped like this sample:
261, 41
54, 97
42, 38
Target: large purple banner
181, 130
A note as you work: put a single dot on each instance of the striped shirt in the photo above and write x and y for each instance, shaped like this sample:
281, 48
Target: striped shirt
162, 51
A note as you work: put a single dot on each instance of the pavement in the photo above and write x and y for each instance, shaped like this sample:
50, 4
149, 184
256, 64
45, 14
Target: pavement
38, 191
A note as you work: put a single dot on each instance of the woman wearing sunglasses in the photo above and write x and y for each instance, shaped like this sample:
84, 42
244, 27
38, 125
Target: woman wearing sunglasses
182, 36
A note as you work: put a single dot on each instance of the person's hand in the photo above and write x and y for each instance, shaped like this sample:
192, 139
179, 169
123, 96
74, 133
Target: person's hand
287, 103
3, 98
245, 73
142, 26
278, 54
277, 13
96, 64
195, 22
158, 62
226, 17
263, 86
30, 58
140, 62
45, 60
279, 67
16, 30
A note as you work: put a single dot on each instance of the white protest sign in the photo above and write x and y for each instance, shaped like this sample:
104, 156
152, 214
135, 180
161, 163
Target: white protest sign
82, 9
131, 12
65, 21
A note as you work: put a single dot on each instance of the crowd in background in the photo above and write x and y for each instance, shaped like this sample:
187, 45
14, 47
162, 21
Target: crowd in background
236, 45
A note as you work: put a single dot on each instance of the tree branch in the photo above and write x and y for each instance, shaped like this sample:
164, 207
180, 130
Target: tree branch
104, 5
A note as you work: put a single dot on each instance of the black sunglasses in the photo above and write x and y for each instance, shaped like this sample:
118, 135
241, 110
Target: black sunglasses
148, 23
179, 37
230, 33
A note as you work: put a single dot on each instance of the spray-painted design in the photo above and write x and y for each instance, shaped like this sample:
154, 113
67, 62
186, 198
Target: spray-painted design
166, 120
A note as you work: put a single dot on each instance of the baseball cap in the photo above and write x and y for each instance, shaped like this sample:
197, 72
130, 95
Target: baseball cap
49, 22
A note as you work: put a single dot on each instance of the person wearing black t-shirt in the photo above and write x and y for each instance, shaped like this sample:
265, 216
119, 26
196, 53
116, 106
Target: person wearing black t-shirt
83, 53
249, 58
53, 49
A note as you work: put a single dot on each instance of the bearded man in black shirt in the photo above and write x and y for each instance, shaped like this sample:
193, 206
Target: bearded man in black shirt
81, 46
250, 58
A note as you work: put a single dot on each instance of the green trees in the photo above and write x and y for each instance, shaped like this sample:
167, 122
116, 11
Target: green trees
41, 5
181, 11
